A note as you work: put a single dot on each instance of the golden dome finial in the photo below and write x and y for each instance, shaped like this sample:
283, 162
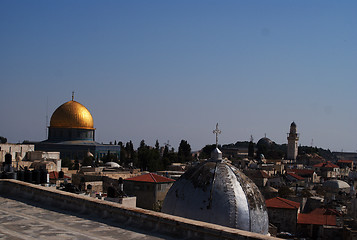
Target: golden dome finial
72, 95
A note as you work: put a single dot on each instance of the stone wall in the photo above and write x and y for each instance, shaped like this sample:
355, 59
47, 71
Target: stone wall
136, 217
284, 219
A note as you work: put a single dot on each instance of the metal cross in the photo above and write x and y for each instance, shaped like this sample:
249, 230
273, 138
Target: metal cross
72, 95
217, 131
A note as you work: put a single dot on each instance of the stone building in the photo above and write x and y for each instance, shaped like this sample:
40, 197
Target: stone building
283, 213
295, 179
327, 170
46, 160
335, 189
318, 226
259, 177
150, 189
346, 166
308, 174
18, 151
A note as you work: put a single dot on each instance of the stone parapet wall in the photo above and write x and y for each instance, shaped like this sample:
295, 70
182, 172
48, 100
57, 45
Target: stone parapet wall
136, 217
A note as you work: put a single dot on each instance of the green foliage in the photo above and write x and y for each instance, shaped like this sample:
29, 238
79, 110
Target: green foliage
3, 139
149, 158
308, 150
127, 154
110, 157
88, 161
66, 162
158, 205
273, 151
184, 152
326, 154
251, 149
76, 164
157, 145
168, 157
206, 151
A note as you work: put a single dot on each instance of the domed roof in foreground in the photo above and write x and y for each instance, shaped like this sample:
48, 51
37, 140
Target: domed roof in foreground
217, 192
72, 114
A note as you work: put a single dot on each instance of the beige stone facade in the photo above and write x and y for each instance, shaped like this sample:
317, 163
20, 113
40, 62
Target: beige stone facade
17, 151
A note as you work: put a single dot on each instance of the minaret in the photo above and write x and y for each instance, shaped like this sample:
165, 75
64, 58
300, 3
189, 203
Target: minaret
293, 139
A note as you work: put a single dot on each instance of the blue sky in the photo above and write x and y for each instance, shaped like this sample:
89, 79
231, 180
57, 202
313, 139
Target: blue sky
170, 70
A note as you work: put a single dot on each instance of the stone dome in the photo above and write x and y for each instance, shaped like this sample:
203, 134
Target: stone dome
72, 114
112, 165
217, 192
336, 185
266, 142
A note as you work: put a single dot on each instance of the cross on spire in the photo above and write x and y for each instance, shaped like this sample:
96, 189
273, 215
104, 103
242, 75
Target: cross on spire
72, 95
217, 131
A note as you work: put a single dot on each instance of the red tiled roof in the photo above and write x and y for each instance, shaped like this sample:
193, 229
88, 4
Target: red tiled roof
302, 171
279, 202
325, 211
295, 176
54, 175
316, 219
345, 161
150, 177
326, 165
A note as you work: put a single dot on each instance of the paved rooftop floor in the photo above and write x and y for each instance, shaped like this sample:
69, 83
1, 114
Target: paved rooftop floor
21, 219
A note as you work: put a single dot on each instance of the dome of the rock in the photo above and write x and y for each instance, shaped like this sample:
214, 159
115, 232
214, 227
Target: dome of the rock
72, 114
72, 133
71, 122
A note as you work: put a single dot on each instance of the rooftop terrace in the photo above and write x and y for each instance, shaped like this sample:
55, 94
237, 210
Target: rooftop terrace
34, 212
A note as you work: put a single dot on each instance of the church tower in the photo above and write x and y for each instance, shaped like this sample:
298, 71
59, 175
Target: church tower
293, 139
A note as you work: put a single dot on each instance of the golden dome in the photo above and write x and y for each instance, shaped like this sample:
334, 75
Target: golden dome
72, 114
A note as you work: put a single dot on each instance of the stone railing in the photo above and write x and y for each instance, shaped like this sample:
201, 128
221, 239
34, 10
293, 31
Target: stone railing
140, 218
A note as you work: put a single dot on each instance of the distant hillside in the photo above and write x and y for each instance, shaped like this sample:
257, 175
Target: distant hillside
326, 154
244, 144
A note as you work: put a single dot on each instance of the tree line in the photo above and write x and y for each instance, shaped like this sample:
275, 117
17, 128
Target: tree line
145, 157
